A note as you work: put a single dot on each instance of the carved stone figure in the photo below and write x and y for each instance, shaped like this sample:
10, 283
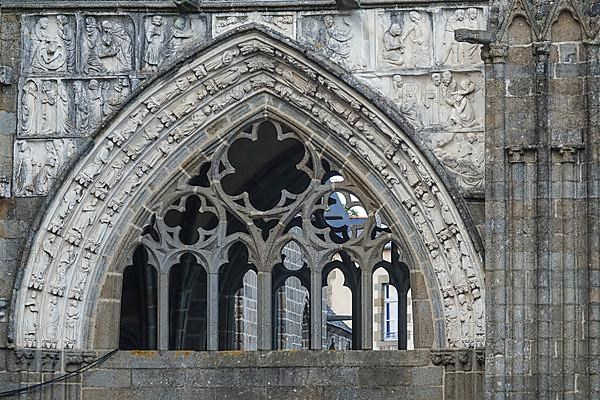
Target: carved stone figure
417, 40
155, 37
30, 321
96, 102
338, 36
63, 122
44, 260
83, 220
50, 328
92, 62
29, 109
82, 107
466, 317
120, 91
60, 280
81, 276
393, 45
26, 169
49, 107
478, 309
67, 35
71, 324
177, 37
115, 47
70, 199
450, 48
93, 169
407, 101
462, 114
453, 329
48, 51
48, 169
471, 51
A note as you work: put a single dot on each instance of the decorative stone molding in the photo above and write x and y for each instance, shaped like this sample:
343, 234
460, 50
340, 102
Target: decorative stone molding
463, 360
91, 210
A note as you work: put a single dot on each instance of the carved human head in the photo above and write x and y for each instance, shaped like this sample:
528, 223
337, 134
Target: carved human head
328, 21
395, 30
460, 14
61, 20
436, 78
398, 80
446, 77
106, 26
462, 299
157, 20
43, 22
473, 13
90, 23
93, 85
414, 16
448, 302
179, 23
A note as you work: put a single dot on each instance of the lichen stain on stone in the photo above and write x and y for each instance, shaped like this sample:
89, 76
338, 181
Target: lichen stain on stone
145, 353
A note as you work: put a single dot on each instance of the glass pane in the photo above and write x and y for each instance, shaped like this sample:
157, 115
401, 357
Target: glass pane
187, 305
138, 327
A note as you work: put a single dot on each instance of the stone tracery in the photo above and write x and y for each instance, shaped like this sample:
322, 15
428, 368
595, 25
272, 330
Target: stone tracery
143, 143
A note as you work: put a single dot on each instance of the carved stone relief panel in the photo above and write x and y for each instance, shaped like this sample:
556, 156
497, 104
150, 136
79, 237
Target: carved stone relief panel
108, 44
406, 39
51, 45
37, 163
45, 109
167, 36
449, 51
95, 99
448, 108
284, 23
343, 38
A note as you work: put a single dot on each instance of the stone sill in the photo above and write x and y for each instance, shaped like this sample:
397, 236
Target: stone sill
252, 359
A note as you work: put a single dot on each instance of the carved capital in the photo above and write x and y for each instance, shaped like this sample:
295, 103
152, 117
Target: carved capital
521, 154
541, 50
454, 360
566, 154
497, 53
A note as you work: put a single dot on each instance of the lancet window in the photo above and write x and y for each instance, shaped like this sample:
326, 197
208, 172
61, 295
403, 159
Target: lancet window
248, 253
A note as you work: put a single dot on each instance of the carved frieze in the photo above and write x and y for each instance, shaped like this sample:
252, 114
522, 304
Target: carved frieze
340, 37
451, 52
45, 109
52, 43
168, 36
37, 163
407, 40
108, 44
284, 23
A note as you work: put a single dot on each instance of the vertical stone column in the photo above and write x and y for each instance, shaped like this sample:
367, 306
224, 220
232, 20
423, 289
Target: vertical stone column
366, 315
496, 216
264, 313
163, 311
592, 244
212, 316
316, 309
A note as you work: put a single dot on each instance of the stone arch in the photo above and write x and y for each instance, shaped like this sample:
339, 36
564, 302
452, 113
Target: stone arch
160, 134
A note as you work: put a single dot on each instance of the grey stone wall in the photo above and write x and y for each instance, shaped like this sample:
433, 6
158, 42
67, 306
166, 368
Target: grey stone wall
263, 375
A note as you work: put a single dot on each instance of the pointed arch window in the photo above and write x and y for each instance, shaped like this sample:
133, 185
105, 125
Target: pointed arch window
251, 247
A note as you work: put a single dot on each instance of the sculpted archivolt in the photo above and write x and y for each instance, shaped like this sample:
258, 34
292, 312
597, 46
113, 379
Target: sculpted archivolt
92, 207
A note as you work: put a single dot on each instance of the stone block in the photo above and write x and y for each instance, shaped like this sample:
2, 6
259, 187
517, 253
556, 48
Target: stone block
105, 378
